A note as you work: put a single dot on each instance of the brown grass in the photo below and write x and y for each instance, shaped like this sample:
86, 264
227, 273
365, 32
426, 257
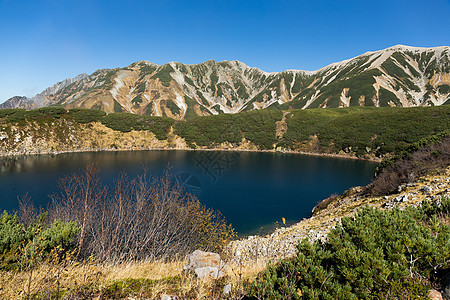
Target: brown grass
79, 280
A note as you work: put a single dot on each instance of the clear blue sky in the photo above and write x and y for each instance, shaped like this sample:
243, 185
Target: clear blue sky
43, 42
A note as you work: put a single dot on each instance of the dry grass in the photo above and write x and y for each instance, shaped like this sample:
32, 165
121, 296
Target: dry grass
146, 270
95, 280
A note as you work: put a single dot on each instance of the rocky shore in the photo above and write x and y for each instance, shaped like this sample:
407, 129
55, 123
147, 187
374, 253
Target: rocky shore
65, 136
282, 243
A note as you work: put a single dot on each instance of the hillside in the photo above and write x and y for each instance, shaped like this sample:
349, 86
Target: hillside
363, 132
399, 76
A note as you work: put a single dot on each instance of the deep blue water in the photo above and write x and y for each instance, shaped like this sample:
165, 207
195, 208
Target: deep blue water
252, 190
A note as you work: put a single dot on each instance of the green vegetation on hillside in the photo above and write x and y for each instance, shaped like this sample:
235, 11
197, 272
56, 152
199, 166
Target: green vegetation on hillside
375, 255
83, 115
360, 131
256, 126
163, 74
121, 121
19, 114
364, 130
126, 122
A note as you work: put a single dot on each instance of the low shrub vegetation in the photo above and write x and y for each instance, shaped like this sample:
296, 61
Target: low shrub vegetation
361, 131
429, 154
83, 115
137, 219
375, 255
126, 122
21, 244
255, 126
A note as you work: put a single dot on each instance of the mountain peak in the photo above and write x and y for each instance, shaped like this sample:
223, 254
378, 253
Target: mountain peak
414, 49
396, 76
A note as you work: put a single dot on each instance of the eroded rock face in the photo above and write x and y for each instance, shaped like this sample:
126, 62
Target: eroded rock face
205, 265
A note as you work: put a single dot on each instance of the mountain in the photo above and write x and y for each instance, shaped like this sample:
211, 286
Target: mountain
397, 76
18, 101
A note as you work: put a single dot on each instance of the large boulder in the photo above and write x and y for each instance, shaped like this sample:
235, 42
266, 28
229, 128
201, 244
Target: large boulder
205, 265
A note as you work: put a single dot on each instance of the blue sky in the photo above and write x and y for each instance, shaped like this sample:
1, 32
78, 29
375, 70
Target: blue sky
43, 42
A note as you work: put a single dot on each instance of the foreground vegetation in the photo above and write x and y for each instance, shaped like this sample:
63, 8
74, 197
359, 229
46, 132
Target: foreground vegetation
375, 255
137, 220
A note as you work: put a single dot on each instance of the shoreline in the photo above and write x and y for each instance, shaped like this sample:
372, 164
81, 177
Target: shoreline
331, 155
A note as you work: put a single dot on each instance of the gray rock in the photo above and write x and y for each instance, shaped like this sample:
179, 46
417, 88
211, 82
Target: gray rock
227, 289
204, 273
426, 190
205, 265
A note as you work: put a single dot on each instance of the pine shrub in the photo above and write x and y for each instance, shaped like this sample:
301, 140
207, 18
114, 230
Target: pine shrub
376, 254
18, 243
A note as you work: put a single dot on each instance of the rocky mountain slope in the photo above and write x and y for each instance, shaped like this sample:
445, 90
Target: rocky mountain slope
396, 76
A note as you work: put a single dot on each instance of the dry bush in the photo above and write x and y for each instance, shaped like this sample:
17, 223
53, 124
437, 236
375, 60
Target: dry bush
144, 218
324, 203
433, 157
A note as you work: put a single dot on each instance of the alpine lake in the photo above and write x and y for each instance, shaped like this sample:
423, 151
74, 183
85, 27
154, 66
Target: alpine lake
253, 190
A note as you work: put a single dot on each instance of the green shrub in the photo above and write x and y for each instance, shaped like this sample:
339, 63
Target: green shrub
38, 240
53, 111
17, 115
256, 126
83, 115
125, 122
374, 254
10, 231
381, 130
9, 111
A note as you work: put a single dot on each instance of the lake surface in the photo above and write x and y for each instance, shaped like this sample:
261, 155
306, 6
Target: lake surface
252, 190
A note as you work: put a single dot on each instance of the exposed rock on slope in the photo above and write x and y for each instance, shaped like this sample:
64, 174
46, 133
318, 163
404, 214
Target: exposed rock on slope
62, 135
18, 101
397, 76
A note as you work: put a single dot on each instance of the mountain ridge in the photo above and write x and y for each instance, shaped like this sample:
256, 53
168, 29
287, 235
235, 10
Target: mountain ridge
396, 76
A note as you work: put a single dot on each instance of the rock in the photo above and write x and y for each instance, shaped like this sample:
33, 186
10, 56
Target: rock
205, 265
426, 190
434, 295
227, 289
207, 272
167, 297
